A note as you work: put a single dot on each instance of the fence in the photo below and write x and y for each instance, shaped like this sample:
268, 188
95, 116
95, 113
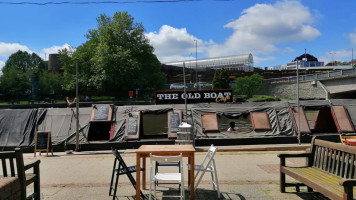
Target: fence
310, 77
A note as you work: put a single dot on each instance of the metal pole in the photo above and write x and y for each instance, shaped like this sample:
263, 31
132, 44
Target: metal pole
185, 92
77, 108
196, 61
298, 104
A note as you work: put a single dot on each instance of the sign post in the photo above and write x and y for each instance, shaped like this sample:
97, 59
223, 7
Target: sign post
43, 142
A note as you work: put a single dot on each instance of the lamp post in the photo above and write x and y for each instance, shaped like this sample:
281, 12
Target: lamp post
77, 108
196, 61
185, 92
332, 57
298, 110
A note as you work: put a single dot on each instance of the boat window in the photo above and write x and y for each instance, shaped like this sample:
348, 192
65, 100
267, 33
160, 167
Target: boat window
260, 121
209, 122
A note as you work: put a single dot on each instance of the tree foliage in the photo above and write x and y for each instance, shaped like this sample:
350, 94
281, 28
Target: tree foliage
116, 56
221, 79
16, 78
248, 85
14, 82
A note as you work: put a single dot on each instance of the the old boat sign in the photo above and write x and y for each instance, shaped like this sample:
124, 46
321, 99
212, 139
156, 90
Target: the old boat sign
193, 96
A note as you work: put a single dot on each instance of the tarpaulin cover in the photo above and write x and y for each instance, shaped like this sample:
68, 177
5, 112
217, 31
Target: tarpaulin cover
276, 111
62, 124
17, 126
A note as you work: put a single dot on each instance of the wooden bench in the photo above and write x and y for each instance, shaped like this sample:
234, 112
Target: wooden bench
330, 169
13, 166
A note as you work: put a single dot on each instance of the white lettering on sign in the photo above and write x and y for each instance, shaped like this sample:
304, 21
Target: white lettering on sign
191, 96
160, 96
218, 96
167, 96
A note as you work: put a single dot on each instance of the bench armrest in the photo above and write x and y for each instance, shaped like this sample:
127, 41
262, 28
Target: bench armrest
298, 155
34, 164
347, 182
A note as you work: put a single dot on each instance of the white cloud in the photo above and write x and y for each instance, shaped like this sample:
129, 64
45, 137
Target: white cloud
258, 60
258, 30
339, 55
52, 50
261, 27
2, 64
172, 43
6, 49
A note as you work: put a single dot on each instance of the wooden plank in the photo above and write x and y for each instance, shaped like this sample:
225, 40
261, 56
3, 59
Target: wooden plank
351, 166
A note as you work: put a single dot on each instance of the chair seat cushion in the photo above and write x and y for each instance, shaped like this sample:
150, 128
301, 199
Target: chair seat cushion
167, 177
10, 188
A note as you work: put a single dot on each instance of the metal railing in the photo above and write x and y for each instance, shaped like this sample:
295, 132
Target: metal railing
311, 77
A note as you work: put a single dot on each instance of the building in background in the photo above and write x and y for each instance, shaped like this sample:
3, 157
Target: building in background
242, 62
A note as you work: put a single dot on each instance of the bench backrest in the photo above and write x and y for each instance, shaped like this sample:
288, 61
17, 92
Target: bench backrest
334, 158
13, 166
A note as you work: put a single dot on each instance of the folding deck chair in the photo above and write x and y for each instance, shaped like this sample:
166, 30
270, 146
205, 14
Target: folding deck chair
166, 176
120, 168
208, 165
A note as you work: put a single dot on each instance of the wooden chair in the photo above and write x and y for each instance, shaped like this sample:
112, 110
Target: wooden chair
120, 168
8, 160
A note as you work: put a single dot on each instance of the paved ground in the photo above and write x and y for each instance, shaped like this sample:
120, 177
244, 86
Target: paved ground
242, 175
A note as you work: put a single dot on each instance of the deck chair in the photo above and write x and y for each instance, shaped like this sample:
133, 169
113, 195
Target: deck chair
208, 165
10, 169
163, 176
120, 168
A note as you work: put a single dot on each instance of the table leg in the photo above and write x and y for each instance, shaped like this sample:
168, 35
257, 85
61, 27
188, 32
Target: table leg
138, 173
191, 176
144, 173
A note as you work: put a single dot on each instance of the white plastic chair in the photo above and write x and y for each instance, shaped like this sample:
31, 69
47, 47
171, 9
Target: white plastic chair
208, 165
163, 176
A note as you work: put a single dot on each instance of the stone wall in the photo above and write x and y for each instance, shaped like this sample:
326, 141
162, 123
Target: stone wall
307, 90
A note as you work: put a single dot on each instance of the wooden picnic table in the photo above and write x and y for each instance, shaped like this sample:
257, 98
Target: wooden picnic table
163, 150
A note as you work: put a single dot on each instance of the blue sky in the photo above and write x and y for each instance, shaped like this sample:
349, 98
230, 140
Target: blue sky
275, 32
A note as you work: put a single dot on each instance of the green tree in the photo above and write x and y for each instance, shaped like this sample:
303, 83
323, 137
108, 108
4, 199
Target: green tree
50, 83
16, 78
14, 82
117, 56
248, 85
25, 61
221, 79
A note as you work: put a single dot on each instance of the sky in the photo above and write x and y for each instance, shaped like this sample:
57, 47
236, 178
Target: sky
275, 32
